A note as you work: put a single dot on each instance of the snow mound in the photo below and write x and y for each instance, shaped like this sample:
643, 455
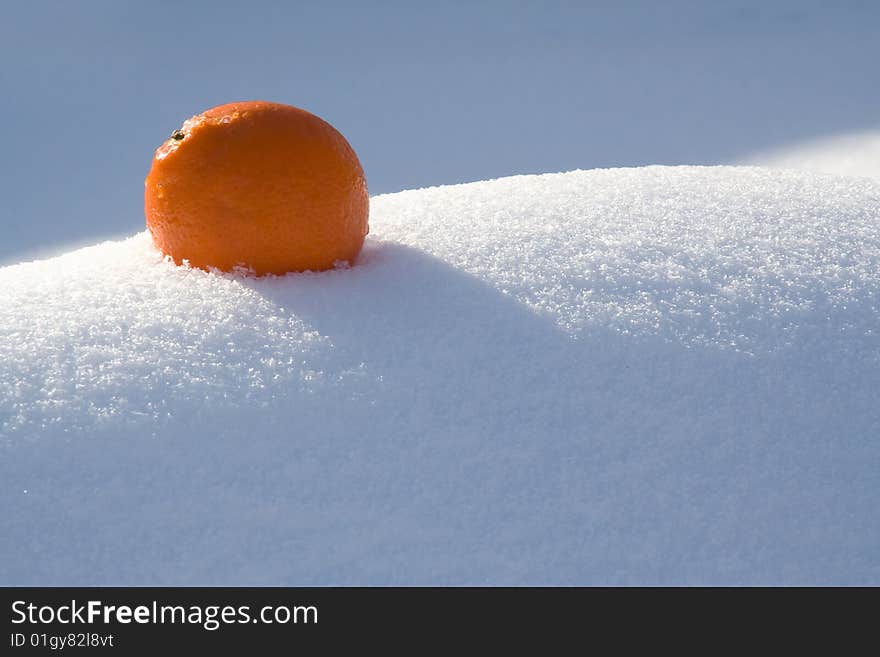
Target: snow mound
655, 375
844, 155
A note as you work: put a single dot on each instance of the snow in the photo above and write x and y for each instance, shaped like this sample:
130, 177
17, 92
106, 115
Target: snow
855, 154
661, 375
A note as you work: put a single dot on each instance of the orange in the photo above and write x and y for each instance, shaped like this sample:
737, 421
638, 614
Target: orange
265, 186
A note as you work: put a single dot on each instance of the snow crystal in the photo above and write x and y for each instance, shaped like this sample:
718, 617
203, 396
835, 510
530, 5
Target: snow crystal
654, 375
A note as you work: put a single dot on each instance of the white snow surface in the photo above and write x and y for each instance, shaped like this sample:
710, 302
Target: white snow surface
856, 154
662, 375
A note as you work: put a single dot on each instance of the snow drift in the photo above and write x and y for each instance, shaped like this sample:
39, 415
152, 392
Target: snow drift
656, 375
856, 154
